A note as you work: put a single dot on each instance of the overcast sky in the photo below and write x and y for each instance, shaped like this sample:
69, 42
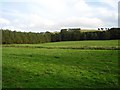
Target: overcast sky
52, 15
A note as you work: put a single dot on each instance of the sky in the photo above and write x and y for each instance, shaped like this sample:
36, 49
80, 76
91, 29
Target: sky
53, 15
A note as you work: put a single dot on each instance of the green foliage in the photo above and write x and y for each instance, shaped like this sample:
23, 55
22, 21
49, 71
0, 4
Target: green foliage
114, 33
13, 37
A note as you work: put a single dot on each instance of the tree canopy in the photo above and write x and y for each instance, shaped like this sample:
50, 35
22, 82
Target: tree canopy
14, 37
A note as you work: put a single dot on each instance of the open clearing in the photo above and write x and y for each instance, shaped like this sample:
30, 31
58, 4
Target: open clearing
73, 64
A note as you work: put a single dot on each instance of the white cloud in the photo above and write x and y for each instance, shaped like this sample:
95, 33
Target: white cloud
36, 20
82, 22
82, 6
4, 21
112, 3
13, 28
43, 15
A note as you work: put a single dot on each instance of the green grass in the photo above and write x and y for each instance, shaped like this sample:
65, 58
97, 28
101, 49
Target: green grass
60, 68
90, 30
89, 44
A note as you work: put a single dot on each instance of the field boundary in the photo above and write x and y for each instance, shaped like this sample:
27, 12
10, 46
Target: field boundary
63, 47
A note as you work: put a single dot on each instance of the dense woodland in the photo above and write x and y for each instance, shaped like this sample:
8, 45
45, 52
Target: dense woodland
14, 37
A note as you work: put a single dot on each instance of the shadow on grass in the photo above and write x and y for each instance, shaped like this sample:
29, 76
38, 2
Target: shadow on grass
69, 47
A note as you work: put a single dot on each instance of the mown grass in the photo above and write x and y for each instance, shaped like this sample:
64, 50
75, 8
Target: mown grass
89, 44
92, 30
59, 68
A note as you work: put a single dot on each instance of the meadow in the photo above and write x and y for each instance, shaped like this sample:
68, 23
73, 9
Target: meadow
88, 44
70, 64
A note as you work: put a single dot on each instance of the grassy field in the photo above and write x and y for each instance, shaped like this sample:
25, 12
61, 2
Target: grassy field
94, 44
90, 30
65, 65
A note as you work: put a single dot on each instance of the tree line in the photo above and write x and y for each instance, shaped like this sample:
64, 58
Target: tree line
14, 37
